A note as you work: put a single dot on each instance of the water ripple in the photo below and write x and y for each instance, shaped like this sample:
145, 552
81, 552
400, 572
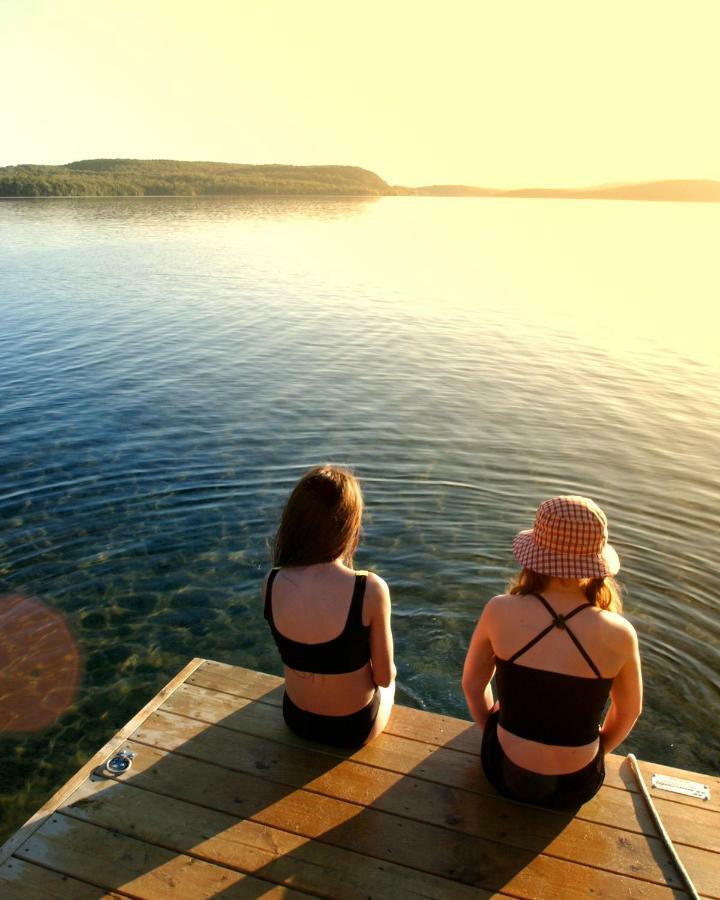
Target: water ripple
169, 368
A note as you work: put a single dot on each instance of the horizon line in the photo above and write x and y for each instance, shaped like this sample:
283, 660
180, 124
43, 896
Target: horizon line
438, 184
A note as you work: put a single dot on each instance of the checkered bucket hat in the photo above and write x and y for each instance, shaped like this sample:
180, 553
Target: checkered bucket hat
569, 540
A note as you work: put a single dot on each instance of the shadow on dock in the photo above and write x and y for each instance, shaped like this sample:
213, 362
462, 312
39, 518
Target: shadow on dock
224, 801
246, 793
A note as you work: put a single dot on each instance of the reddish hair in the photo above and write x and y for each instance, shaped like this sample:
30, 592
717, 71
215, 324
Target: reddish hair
321, 520
601, 592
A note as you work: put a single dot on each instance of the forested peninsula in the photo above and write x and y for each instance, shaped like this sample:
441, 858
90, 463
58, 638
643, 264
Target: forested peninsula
167, 177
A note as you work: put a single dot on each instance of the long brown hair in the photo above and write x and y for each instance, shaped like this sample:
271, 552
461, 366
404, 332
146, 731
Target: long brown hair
602, 592
321, 520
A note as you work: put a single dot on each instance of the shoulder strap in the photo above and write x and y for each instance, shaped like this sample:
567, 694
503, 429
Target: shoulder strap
546, 605
532, 642
559, 622
354, 619
268, 593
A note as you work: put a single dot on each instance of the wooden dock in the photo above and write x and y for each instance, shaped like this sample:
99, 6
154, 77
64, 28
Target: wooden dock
223, 801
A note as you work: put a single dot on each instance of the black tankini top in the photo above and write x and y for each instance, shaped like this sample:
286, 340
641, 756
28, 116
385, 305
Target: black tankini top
347, 652
550, 707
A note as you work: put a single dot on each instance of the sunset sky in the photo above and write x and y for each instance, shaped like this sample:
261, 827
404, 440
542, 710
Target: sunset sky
554, 93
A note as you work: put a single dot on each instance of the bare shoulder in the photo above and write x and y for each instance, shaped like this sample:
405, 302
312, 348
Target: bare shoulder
377, 593
377, 584
500, 605
620, 629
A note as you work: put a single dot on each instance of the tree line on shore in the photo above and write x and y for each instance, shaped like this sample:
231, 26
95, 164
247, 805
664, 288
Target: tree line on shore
168, 177
137, 178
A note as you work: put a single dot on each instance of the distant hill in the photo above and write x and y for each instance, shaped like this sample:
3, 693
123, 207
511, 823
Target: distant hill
168, 177
158, 177
696, 191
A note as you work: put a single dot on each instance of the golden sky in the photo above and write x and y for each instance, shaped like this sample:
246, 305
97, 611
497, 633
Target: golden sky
500, 94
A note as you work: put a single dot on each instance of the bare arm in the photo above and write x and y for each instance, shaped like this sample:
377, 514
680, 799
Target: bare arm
626, 697
478, 671
381, 641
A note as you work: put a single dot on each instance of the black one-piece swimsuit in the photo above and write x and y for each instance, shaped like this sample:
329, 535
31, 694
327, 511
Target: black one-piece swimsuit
551, 708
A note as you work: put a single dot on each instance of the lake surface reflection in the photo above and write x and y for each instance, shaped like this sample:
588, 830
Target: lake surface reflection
170, 366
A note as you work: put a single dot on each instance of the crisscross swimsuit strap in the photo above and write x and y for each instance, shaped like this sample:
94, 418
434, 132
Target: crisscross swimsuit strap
559, 622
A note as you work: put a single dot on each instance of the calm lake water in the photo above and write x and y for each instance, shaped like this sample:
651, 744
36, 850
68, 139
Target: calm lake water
168, 367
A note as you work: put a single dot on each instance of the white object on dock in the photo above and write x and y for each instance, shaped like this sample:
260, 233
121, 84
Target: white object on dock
681, 786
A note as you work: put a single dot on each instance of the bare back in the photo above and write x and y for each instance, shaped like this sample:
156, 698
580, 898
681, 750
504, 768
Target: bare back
310, 605
606, 642
519, 618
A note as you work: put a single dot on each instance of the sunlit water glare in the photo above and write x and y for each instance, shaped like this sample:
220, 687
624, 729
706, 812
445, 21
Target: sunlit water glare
168, 367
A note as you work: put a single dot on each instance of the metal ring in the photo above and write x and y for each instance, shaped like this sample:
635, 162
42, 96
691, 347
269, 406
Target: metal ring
120, 762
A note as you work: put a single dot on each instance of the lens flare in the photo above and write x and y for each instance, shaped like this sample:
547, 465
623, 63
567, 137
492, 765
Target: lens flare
40, 665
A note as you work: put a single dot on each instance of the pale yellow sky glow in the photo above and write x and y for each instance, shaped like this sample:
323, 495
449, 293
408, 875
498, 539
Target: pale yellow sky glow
497, 94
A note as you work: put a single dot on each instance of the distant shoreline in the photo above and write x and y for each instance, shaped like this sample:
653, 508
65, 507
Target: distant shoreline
127, 178
509, 196
259, 196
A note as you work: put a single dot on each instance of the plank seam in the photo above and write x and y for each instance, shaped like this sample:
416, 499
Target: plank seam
238, 868
48, 868
423, 778
324, 750
423, 822
386, 730
628, 788
170, 849
278, 682
370, 856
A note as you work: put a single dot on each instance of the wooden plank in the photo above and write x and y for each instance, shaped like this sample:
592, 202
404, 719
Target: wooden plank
278, 856
608, 808
430, 728
239, 681
20, 880
444, 731
138, 869
115, 743
491, 818
382, 836
412, 809
388, 751
691, 822
448, 767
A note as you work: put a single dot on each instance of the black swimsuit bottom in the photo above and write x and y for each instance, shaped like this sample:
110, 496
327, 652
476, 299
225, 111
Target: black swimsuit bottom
338, 731
555, 791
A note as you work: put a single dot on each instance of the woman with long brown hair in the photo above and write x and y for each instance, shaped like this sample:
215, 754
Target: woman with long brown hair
558, 646
330, 623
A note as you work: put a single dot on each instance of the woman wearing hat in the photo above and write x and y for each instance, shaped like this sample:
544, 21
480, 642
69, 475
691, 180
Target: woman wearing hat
559, 648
